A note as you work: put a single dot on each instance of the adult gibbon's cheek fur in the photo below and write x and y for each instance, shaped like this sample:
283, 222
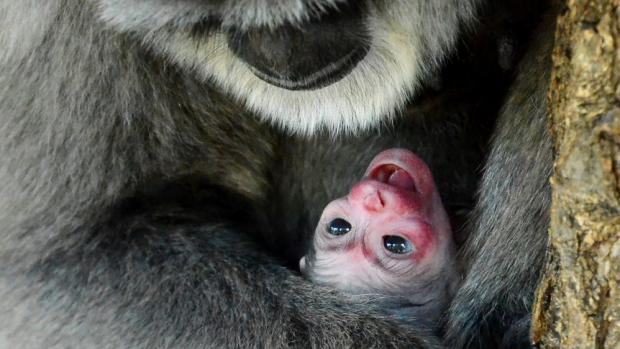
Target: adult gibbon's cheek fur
392, 59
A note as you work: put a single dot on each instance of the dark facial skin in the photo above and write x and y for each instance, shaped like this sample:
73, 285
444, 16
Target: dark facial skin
390, 236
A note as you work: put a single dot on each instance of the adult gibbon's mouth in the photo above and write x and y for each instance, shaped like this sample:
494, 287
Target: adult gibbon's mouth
308, 56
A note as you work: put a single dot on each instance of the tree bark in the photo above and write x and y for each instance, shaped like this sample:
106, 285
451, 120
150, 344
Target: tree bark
578, 300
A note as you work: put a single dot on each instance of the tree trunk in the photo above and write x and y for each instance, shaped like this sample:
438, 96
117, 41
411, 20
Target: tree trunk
578, 300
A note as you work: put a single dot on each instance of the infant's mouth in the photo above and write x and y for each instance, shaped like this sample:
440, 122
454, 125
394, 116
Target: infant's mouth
401, 170
393, 175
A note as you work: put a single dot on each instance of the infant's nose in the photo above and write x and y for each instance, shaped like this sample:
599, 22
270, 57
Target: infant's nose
373, 201
370, 196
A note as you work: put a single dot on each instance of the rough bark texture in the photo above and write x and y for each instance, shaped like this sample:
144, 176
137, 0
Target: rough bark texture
578, 300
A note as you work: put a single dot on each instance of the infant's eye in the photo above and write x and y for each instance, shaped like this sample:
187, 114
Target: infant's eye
338, 226
397, 244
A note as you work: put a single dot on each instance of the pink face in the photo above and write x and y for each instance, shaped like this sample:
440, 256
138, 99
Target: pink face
389, 235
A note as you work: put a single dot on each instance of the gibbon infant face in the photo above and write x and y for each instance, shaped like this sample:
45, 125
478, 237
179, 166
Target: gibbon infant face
390, 235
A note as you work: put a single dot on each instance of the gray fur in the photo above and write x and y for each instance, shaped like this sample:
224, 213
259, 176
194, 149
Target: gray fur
151, 15
141, 207
505, 253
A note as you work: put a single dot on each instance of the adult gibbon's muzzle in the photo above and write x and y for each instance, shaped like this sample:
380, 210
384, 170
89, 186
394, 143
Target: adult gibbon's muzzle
308, 56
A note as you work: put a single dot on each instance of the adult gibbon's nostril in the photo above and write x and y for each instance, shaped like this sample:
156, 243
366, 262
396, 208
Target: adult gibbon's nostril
308, 56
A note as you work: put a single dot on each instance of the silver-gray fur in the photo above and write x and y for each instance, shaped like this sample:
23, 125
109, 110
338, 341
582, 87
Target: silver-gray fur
511, 219
141, 206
